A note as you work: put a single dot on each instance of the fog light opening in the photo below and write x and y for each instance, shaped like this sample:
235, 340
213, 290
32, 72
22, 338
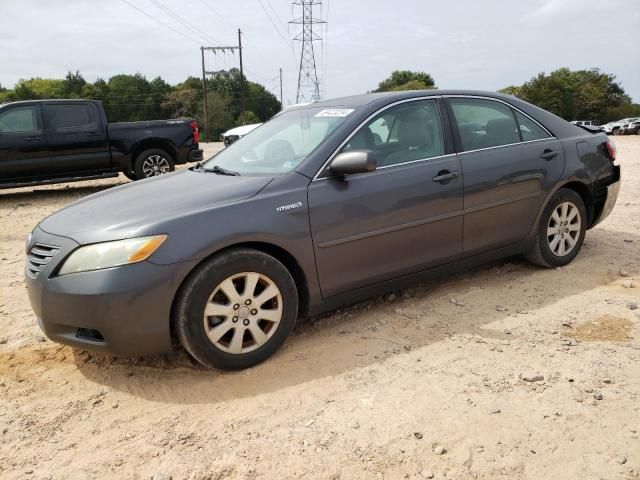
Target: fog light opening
89, 334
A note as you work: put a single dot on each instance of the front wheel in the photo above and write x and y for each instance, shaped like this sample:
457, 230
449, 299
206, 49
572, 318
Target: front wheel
153, 162
236, 309
561, 230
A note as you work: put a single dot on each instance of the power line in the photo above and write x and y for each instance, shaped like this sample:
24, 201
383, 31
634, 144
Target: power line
284, 24
274, 25
161, 22
190, 26
217, 13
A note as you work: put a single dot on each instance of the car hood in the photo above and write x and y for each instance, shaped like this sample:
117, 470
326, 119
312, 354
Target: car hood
133, 209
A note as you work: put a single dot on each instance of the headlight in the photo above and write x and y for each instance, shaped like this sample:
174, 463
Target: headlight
27, 242
111, 254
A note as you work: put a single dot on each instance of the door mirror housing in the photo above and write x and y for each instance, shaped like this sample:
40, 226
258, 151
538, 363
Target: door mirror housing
355, 161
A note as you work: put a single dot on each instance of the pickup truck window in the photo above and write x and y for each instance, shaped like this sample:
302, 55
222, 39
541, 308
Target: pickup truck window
69, 115
19, 119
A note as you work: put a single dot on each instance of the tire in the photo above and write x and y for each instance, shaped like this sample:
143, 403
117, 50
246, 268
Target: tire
561, 247
617, 131
153, 162
130, 175
213, 340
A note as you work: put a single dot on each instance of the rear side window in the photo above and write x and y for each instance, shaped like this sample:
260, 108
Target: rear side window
530, 130
69, 116
404, 133
19, 119
484, 123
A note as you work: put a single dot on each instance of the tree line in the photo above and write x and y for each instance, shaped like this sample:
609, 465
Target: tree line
128, 98
572, 95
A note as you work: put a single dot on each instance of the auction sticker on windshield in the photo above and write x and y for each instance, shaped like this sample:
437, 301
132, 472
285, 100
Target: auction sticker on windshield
334, 112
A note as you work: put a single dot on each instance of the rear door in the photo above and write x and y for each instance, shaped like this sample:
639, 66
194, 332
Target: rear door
509, 162
23, 147
77, 138
375, 226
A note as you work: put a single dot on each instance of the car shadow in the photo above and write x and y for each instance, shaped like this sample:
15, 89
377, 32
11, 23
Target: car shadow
369, 332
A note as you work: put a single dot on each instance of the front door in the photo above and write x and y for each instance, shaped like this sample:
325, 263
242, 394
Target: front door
23, 149
77, 138
401, 218
508, 162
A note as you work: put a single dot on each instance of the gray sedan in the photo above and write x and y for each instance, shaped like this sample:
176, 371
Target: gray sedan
323, 205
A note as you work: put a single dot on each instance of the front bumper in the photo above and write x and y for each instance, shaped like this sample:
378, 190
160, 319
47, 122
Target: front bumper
122, 311
612, 196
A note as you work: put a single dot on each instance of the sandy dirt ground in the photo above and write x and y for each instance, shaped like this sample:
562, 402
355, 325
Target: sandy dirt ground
507, 371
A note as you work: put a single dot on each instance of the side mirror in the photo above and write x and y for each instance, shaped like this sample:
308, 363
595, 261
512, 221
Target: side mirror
356, 161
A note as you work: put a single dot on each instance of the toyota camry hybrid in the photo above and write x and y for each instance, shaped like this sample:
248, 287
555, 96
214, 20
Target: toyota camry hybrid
323, 205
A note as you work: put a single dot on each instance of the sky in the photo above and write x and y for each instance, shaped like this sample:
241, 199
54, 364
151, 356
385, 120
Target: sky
476, 44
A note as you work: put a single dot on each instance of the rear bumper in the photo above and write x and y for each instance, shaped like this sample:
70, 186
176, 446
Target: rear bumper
612, 196
195, 156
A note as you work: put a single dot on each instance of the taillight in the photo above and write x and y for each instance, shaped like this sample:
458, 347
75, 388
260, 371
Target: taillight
611, 150
196, 134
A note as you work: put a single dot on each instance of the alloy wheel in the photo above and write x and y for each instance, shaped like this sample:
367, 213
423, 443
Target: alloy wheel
243, 312
155, 165
563, 229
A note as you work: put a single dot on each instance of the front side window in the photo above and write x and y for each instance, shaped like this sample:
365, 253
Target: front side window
484, 123
281, 144
529, 129
403, 133
69, 116
19, 119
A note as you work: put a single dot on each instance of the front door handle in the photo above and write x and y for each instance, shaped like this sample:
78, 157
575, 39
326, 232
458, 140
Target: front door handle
33, 139
445, 176
549, 154
94, 134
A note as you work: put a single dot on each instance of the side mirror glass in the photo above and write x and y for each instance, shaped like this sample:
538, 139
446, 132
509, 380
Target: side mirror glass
355, 161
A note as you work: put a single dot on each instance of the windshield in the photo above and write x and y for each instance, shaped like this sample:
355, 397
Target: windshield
280, 145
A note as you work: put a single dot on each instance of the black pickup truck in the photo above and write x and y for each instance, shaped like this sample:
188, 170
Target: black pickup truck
53, 141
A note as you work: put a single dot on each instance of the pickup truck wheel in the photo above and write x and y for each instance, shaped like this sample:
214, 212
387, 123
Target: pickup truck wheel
236, 309
561, 230
153, 162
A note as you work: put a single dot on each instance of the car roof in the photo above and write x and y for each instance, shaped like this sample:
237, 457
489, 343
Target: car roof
355, 101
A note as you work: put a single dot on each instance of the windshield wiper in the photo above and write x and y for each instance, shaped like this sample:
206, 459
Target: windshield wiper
221, 171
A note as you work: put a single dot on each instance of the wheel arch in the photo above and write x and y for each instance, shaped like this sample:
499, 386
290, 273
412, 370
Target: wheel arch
585, 193
148, 143
279, 253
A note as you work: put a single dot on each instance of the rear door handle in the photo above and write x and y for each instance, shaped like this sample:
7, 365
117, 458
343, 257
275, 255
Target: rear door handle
33, 139
549, 154
94, 134
445, 176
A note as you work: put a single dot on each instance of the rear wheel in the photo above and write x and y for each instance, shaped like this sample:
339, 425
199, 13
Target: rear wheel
237, 309
153, 162
561, 230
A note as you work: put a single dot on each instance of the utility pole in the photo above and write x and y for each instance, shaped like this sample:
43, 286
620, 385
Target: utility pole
204, 98
241, 76
205, 72
308, 82
281, 102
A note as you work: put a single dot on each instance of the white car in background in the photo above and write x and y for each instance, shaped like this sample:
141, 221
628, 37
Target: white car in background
234, 134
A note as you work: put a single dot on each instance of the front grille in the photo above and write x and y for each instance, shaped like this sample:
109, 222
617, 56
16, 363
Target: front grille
38, 257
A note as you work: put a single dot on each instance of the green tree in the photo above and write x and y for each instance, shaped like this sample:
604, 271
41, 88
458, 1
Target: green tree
576, 95
72, 85
406, 80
